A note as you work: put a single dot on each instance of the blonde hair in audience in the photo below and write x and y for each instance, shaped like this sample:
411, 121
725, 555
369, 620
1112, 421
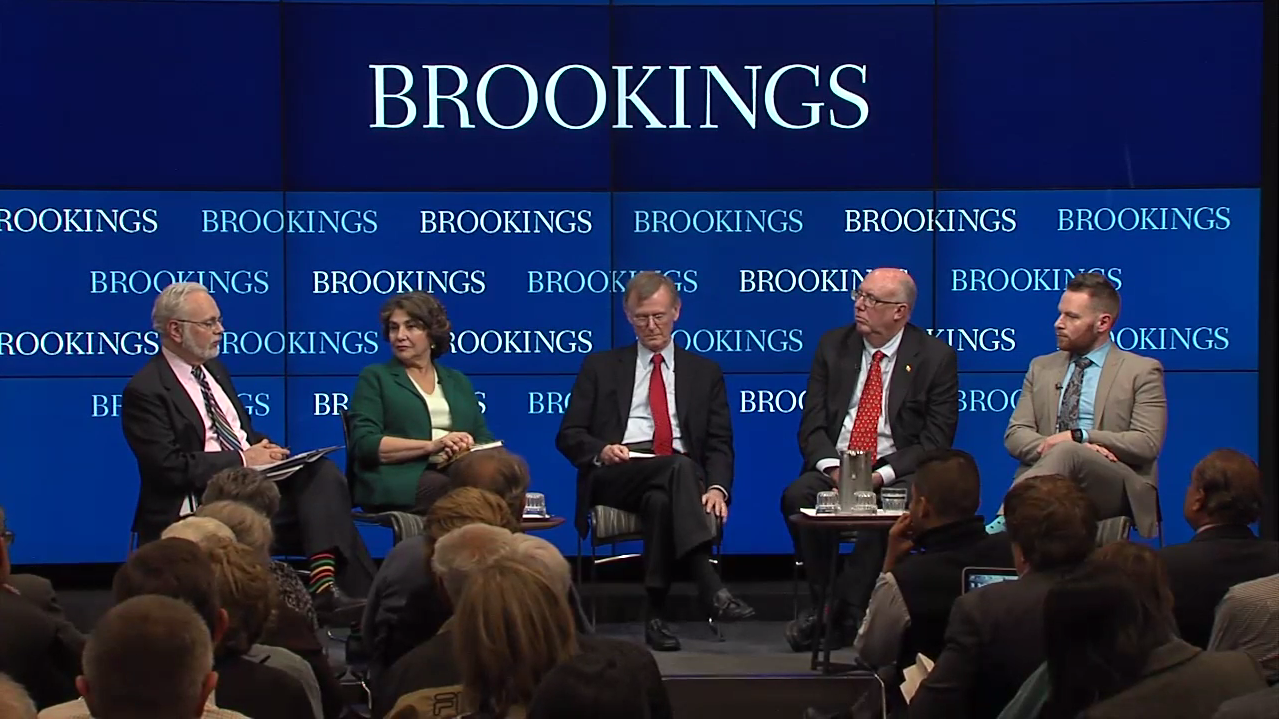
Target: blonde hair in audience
247, 591
463, 506
511, 628
15, 703
199, 530
463, 551
250, 526
542, 557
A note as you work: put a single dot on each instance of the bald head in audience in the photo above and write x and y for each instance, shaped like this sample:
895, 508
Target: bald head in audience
150, 657
464, 551
14, 701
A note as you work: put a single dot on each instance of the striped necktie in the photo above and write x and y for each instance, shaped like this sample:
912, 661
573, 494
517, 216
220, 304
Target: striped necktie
221, 427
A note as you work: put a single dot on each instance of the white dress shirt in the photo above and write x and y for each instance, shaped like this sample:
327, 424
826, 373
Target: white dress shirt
639, 421
884, 445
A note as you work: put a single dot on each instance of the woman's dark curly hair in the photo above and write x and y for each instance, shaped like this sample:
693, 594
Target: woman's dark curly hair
426, 311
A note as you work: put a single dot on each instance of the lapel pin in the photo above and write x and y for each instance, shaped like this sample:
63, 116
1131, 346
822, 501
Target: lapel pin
907, 368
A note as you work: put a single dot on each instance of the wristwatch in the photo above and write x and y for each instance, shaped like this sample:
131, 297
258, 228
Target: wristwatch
1077, 435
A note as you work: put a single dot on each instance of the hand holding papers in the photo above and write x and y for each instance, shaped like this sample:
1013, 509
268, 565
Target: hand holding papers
286, 467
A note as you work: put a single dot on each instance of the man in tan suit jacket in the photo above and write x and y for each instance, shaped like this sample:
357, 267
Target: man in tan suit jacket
1093, 412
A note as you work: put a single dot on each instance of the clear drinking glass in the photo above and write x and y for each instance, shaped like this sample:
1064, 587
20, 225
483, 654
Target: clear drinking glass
828, 502
534, 504
893, 499
865, 503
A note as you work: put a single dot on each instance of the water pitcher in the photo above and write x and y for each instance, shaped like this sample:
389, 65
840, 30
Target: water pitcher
854, 476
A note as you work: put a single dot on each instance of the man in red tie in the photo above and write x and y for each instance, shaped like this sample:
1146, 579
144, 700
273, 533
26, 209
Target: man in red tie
881, 385
648, 429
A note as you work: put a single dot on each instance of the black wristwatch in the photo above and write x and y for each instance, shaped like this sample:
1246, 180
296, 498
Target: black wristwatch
1077, 435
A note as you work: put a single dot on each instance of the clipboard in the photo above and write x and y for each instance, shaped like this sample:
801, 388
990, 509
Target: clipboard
476, 448
276, 471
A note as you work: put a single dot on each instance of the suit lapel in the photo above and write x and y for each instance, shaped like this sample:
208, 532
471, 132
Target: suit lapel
683, 383
401, 377
1109, 370
848, 364
903, 368
625, 379
1051, 391
177, 393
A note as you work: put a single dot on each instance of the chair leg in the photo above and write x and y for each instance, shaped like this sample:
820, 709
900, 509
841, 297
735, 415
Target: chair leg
594, 585
794, 586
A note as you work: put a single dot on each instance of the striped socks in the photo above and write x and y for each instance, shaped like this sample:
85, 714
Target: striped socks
323, 570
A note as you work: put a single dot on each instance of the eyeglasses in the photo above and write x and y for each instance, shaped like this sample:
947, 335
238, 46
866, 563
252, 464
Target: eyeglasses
643, 320
7, 536
872, 300
206, 324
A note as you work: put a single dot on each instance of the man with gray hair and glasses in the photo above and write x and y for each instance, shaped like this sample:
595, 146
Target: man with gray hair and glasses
883, 386
185, 422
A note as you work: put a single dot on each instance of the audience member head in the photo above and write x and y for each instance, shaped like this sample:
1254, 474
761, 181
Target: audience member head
149, 657
460, 553
246, 485
247, 592
1051, 522
1086, 313
511, 627
1225, 488
5, 539
882, 304
200, 530
251, 527
542, 557
947, 489
15, 703
587, 686
1098, 635
496, 470
176, 568
463, 506
1147, 571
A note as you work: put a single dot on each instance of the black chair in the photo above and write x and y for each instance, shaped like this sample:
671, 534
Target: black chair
402, 524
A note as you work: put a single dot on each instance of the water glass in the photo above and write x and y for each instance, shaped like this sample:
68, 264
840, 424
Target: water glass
828, 502
893, 498
865, 503
534, 504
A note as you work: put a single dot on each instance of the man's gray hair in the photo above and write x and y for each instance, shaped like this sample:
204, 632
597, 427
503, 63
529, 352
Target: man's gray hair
251, 527
168, 304
201, 530
465, 550
15, 703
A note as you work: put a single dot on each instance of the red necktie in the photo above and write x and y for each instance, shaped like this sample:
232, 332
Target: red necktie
663, 438
865, 435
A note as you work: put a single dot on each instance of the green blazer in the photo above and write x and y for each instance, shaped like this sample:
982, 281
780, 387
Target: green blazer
385, 402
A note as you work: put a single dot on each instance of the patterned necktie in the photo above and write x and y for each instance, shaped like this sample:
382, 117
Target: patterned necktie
865, 435
221, 427
663, 437
1068, 416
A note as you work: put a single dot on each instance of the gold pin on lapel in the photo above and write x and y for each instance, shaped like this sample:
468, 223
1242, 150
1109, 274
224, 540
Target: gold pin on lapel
907, 368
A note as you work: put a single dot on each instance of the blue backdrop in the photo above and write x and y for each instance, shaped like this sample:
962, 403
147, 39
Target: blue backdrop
307, 159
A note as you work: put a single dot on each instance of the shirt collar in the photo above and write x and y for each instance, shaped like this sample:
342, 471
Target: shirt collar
180, 367
890, 347
646, 355
1098, 356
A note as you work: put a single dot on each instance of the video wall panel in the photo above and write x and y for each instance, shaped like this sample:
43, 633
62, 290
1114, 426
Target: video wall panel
521, 161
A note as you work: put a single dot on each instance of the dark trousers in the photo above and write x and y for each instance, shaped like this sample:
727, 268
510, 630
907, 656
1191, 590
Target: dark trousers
854, 584
315, 516
667, 494
431, 485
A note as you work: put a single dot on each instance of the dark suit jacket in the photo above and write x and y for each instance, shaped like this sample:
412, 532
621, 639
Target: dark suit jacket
923, 397
385, 402
601, 403
994, 641
165, 432
1182, 682
258, 691
1201, 571
37, 651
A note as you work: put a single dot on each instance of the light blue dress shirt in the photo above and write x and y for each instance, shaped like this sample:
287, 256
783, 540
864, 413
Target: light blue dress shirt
1088, 392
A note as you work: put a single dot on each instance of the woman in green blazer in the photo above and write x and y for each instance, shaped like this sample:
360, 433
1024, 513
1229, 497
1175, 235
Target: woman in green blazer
409, 415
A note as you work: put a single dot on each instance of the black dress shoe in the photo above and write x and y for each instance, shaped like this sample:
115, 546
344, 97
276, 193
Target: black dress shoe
658, 636
799, 632
727, 608
332, 606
